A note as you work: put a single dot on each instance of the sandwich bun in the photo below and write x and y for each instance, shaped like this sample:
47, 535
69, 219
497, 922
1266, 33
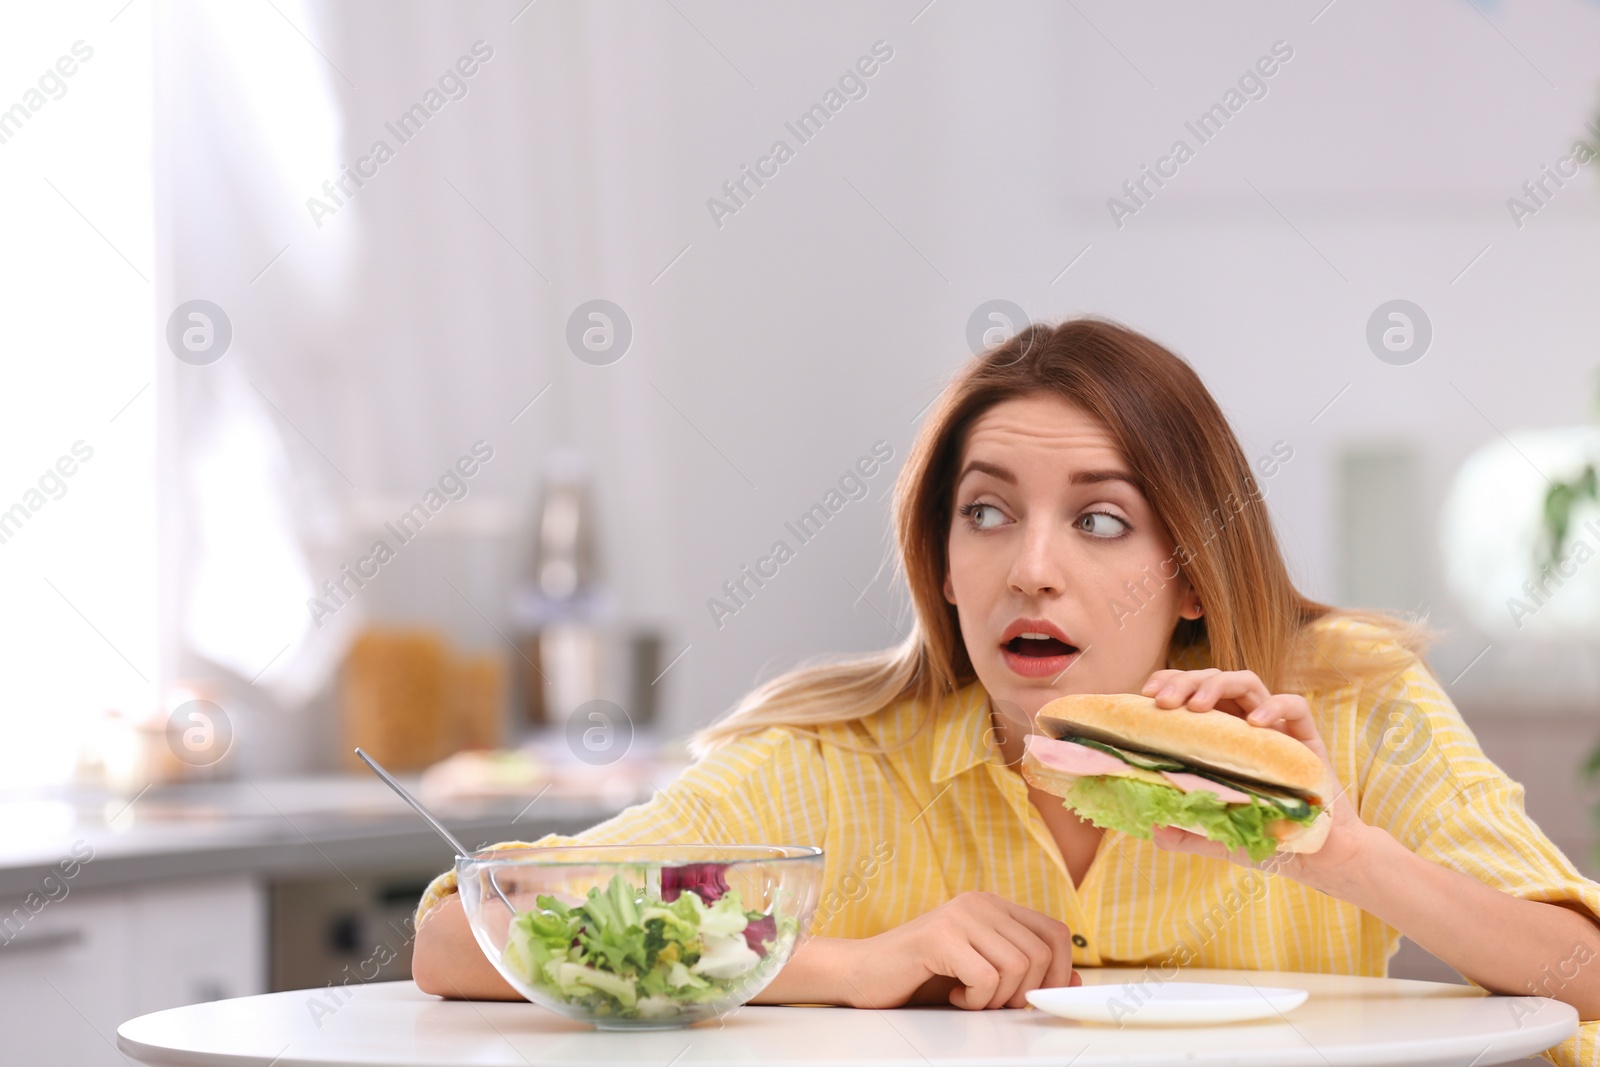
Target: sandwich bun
1210, 740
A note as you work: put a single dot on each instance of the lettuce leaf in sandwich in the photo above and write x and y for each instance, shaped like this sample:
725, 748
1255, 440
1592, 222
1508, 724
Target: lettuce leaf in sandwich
1134, 807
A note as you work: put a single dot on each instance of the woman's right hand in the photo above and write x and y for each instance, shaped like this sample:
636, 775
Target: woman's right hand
978, 950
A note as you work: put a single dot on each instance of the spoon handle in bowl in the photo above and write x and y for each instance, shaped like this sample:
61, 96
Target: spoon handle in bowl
439, 828
416, 805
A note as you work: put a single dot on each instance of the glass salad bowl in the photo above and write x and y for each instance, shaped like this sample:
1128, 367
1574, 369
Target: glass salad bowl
640, 937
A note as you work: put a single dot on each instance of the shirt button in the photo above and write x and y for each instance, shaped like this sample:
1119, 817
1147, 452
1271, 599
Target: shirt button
1080, 940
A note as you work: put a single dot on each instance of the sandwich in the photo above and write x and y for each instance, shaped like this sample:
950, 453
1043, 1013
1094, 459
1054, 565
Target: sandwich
1123, 763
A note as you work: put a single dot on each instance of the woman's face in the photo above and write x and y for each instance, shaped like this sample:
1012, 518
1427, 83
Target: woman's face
1049, 534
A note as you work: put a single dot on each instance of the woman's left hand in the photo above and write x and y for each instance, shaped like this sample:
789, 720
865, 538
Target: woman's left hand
1241, 693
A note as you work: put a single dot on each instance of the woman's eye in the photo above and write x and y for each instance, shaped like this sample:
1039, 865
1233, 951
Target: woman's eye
1102, 524
975, 513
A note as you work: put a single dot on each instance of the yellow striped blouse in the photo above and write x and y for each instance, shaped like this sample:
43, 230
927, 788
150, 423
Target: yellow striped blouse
906, 831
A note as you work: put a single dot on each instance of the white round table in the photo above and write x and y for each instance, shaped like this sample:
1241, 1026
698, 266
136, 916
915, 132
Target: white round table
1346, 1020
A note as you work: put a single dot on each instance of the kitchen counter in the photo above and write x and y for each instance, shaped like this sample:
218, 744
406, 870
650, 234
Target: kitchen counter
272, 828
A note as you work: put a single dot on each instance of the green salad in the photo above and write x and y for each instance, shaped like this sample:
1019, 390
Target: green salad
624, 952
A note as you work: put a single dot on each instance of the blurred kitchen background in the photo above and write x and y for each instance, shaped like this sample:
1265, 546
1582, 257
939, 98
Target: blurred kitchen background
459, 447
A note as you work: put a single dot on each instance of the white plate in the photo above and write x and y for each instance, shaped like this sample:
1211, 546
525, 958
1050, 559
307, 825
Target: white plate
1157, 1003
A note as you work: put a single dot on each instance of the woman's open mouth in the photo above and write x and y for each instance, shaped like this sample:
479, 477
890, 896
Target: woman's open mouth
1037, 657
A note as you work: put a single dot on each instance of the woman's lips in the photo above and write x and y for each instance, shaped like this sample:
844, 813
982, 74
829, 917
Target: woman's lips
1037, 666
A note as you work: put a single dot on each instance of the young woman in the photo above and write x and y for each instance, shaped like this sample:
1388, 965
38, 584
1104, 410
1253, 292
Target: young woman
1080, 482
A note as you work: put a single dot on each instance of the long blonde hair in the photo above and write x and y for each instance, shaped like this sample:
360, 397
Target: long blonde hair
1195, 476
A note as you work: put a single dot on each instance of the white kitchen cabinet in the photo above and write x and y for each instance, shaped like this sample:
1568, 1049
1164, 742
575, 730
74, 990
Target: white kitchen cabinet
63, 982
86, 963
196, 941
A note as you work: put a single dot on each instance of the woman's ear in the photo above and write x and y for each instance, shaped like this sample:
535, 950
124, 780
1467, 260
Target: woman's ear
949, 588
1189, 607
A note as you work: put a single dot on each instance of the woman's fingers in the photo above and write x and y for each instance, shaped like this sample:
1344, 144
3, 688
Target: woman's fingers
1200, 690
1289, 713
1160, 680
1243, 688
1022, 949
1173, 839
1016, 954
1205, 690
1057, 938
977, 950
978, 977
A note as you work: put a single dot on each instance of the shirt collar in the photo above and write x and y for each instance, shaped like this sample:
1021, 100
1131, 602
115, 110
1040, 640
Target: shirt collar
961, 732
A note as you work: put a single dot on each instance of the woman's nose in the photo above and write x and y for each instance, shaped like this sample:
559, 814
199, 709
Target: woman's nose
1038, 566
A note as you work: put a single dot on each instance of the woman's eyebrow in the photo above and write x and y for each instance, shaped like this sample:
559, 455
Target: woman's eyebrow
1090, 477
1076, 478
